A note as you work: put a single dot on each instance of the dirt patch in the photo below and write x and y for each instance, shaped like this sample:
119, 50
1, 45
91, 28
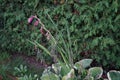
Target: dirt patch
31, 61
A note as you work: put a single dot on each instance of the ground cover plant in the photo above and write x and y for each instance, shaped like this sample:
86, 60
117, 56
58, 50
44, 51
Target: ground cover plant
67, 30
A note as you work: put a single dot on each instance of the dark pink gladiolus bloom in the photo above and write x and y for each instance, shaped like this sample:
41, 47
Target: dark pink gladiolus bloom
30, 19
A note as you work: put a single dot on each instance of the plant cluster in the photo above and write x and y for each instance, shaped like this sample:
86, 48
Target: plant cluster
81, 29
94, 27
79, 72
68, 70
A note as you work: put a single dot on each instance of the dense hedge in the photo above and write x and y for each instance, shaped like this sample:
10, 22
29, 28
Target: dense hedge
94, 26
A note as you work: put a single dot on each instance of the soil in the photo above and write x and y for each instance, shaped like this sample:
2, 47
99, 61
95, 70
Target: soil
31, 61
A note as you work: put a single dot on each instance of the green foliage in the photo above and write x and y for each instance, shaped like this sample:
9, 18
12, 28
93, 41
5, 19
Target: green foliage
4, 56
113, 75
28, 77
22, 70
70, 75
14, 30
22, 73
62, 71
3, 70
93, 27
49, 76
95, 72
83, 63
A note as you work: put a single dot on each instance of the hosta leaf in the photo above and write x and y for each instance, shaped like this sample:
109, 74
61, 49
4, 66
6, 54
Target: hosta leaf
89, 78
64, 69
83, 63
49, 76
69, 76
56, 68
95, 72
113, 75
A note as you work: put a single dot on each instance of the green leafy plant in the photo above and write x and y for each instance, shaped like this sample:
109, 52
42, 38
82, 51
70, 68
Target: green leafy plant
95, 72
4, 56
93, 27
22, 70
82, 29
28, 77
22, 73
62, 71
3, 70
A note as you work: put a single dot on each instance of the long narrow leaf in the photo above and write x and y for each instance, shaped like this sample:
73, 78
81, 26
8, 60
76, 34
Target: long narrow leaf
39, 45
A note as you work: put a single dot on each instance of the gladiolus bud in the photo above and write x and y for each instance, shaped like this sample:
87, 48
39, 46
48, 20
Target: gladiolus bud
36, 23
30, 19
42, 31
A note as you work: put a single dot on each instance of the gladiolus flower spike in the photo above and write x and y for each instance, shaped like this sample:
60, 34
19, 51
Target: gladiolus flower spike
36, 21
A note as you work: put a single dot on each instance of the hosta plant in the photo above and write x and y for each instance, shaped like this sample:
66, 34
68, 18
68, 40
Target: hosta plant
80, 71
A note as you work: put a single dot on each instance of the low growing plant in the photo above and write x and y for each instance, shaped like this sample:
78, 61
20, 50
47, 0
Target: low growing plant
61, 71
22, 73
81, 71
